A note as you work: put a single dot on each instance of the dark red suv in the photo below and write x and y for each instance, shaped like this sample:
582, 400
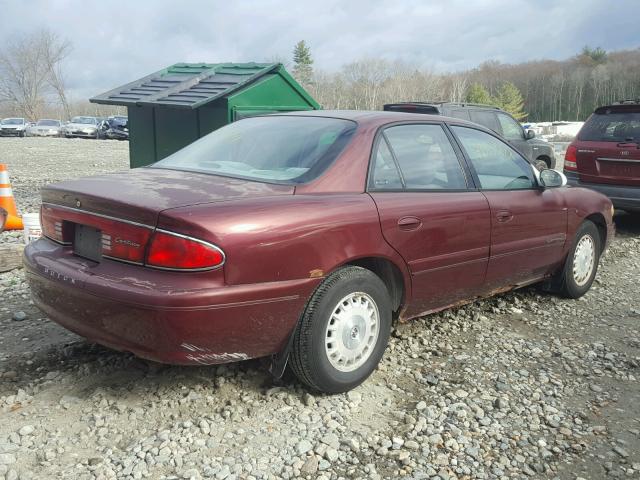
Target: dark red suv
605, 156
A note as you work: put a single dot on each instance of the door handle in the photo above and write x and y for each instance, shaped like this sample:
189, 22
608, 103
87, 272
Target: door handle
504, 216
409, 223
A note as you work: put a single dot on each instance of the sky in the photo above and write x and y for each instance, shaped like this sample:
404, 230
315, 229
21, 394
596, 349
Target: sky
118, 42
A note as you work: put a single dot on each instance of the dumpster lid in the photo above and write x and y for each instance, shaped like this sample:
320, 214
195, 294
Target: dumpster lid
191, 85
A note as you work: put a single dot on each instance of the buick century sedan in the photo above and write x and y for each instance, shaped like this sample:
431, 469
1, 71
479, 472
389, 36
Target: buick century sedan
303, 237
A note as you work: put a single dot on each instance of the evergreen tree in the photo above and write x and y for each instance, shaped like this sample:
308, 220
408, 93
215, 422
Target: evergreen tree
302, 63
478, 94
596, 55
510, 100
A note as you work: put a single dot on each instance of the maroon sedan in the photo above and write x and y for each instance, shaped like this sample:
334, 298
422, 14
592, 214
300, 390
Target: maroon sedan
303, 236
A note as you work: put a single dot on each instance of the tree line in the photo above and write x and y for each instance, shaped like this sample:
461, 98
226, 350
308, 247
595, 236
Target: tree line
33, 82
541, 90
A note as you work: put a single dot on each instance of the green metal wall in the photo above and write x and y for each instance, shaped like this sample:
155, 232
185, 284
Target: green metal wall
157, 132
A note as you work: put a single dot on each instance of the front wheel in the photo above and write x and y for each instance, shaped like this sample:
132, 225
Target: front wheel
582, 262
343, 331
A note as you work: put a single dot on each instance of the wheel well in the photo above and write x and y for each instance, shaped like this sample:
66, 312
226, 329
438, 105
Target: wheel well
545, 158
389, 273
600, 222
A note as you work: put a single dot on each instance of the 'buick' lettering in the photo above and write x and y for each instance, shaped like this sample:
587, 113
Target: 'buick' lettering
59, 276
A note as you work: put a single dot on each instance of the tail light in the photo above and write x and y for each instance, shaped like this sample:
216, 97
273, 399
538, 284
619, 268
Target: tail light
128, 241
173, 251
570, 160
54, 227
120, 239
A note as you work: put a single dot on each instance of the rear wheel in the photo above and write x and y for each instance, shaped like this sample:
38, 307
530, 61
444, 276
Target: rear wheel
582, 262
343, 332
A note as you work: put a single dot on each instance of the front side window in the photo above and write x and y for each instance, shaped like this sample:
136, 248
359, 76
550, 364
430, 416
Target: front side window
425, 156
281, 149
498, 166
511, 130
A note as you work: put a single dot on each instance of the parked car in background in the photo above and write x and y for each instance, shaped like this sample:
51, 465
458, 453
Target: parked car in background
302, 236
538, 152
45, 128
14, 127
605, 156
82, 126
114, 128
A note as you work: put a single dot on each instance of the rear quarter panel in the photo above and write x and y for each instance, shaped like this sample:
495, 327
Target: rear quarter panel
288, 237
582, 203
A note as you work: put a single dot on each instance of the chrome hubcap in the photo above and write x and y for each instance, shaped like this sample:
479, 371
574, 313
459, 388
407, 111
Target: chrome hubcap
584, 260
352, 332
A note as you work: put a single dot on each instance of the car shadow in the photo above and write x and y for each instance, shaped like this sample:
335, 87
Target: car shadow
82, 368
627, 224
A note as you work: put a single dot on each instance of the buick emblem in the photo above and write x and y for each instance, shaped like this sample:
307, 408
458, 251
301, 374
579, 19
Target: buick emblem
78, 204
624, 152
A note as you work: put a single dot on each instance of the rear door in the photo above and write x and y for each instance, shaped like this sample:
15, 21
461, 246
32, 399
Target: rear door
608, 146
528, 224
430, 213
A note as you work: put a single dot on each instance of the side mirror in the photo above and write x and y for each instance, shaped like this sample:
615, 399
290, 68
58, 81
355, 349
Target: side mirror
530, 134
552, 178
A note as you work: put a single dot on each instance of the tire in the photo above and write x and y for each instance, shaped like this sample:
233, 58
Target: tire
319, 362
576, 278
541, 163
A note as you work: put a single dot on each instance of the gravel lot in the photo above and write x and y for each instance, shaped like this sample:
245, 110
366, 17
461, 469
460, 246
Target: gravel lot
524, 385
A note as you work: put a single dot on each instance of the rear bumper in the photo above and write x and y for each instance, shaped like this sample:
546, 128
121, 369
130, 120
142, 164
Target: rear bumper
163, 316
623, 197
81, 134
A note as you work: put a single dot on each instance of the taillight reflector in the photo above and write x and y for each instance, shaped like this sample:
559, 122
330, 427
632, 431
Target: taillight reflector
570, 160
178, 252
54, 227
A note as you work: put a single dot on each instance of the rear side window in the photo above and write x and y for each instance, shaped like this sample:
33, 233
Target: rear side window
425, 156
463, 114
497, 165
385, 172
612, 127
486, 119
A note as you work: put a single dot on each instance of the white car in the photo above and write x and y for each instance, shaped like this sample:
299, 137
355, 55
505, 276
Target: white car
15, 127
45, 128
86, 127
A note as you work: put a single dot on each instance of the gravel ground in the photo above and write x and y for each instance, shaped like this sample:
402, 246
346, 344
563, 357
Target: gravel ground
524, 385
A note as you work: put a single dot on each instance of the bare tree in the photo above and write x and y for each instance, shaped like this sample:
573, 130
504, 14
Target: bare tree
31, 70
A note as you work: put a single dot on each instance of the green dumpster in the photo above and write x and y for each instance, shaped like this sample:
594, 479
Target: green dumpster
171, 108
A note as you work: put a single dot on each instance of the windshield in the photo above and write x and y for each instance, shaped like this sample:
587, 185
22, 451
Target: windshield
13, 121
612, 127
281, 149
87, 120
48, 123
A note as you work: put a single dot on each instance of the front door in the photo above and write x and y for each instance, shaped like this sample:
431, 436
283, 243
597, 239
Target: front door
528, 224
429, 215
513, 133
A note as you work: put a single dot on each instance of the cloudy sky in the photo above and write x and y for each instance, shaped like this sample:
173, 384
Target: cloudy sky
117, 42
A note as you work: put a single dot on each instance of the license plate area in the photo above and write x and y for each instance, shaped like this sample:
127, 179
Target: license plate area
87, 242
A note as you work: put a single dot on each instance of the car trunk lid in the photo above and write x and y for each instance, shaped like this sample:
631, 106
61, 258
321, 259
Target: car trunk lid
608, 146
114, 215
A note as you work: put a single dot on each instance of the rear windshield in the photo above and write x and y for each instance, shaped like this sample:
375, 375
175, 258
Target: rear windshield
86, 120
48, 123
280, 149
612, 127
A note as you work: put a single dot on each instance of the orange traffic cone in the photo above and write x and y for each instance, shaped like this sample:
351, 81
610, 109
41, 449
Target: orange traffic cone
14, 222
